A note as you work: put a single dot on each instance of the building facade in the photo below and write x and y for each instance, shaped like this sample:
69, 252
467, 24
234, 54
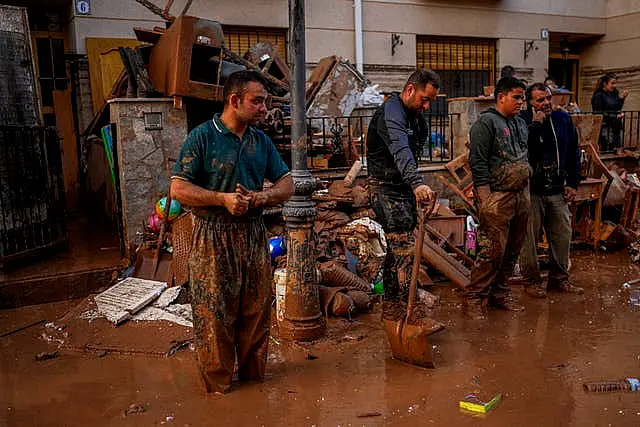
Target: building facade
467, 41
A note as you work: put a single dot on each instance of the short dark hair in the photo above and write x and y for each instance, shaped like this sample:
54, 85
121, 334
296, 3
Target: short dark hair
535, 86
507, 84
507, 71
237, 83
421, 78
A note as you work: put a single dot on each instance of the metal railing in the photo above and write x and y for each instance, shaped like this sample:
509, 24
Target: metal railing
32, 203
337, 142
619, 131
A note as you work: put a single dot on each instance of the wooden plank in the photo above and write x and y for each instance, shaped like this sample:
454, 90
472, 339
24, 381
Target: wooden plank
105, 69
69, 147
439, 259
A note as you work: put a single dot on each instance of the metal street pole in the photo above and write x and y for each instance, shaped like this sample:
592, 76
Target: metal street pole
303, 320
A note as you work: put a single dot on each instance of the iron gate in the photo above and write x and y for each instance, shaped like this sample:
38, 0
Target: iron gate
32, 204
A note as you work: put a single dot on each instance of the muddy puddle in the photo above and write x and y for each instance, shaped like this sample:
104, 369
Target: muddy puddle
537, 359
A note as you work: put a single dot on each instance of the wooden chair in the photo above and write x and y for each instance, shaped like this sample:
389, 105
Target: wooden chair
460, 170
593, 189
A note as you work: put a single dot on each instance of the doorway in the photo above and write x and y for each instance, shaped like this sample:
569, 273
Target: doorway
565, 72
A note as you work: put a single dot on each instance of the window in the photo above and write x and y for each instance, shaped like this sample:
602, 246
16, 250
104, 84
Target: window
465, 65
52, 69
240, 39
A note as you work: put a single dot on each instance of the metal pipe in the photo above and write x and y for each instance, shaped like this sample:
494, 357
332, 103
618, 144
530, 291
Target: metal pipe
357, 12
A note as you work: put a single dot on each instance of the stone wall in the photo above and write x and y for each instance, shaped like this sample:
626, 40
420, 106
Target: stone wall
144, 157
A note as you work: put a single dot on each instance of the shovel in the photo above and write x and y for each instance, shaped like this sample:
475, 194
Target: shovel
155, 264
408, 336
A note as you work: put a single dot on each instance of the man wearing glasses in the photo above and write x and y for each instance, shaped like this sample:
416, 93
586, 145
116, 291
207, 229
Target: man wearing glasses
555, 160
501, 171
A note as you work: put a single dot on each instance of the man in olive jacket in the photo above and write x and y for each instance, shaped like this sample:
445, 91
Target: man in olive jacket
501, 171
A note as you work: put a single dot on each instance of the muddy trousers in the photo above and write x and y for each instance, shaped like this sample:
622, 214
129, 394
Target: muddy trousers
553, 215
395, 209
503, 224
229, 269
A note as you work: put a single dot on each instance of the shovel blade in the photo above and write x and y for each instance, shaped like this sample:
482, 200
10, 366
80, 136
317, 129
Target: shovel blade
409, 342
146, 268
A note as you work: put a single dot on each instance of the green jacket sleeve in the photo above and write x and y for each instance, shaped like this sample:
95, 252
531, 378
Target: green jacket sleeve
480, 153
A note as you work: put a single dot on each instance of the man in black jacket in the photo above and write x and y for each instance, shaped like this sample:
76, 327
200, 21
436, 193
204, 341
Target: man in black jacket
394, 140
555, 160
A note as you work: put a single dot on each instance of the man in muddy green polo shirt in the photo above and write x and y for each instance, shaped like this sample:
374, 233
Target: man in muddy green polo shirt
501, 171
220, 174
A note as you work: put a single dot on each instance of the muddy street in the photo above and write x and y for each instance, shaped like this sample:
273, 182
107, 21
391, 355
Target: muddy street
537, 359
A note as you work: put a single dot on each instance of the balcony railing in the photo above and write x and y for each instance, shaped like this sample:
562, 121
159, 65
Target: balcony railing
337, 142
619, 131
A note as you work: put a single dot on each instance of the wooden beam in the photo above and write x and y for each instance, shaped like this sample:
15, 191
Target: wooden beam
157, 10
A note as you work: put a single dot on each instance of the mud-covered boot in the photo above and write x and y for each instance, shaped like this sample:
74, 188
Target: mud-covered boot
536, 290
506, 302
474, 309
565, 286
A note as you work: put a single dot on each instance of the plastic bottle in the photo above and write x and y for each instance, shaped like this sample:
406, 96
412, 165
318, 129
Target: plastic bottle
470, 237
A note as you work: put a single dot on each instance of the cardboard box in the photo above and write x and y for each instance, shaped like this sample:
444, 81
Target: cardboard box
317, 163
473, 404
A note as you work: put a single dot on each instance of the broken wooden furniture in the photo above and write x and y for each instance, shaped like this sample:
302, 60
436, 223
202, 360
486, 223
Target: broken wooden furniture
630, 207
454, 265
187, 59
462, 186
588, 126
590, 191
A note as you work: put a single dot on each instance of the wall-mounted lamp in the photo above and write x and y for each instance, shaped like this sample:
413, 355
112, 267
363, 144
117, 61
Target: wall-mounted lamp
395, 41
529, 45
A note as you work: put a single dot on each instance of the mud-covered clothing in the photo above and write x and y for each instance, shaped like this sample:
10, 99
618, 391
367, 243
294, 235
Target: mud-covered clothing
230, 277
609, 104
498, 158
215, 158
503, 224
498, 153
229, 263
551, 213
395, 138
395, 209
553, 153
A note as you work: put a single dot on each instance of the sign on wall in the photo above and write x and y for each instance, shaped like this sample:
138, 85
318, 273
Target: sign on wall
83, 7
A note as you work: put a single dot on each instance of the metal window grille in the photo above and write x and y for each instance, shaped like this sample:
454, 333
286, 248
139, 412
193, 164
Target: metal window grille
465, 65
240, 39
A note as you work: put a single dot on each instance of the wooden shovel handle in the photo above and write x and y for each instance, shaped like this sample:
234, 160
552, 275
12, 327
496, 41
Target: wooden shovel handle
417, 257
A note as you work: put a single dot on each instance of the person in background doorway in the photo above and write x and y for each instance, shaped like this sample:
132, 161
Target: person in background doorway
500, 171
608, 101
220, 173
394, 140
555, 159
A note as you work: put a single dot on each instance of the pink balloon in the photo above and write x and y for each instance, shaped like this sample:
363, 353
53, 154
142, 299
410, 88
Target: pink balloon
154, 222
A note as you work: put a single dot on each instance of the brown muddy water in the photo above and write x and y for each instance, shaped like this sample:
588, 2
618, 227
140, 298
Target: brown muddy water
537, 359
